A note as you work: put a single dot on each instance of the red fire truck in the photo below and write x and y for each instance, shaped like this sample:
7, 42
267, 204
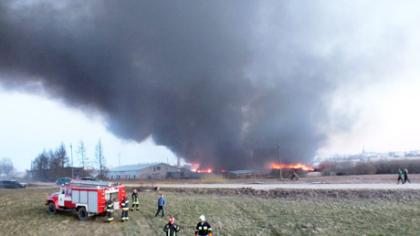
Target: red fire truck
85, 197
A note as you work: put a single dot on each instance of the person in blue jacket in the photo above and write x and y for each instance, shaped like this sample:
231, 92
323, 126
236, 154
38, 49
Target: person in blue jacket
161, 206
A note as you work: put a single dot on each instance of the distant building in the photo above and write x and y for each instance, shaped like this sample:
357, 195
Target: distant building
146, 171
246, 173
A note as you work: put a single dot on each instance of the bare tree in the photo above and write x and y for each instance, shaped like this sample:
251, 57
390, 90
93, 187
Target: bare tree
82, 154
50, 165
6, 167
100, 159
61, 155
41, 165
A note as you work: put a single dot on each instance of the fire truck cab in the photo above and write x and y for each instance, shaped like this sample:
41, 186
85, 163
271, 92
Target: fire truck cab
86, 198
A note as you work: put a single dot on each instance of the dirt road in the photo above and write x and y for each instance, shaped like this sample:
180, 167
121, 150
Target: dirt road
384, 186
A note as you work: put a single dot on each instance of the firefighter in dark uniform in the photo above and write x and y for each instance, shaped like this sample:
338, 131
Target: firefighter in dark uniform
203, 228
109, 210
171, 229
125, 208
135, 200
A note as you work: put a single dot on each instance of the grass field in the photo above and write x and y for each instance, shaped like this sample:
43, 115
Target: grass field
23, 213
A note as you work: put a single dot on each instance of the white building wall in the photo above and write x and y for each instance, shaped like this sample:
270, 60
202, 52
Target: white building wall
158, 171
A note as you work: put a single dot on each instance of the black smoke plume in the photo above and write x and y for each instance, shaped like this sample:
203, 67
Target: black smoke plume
230, 84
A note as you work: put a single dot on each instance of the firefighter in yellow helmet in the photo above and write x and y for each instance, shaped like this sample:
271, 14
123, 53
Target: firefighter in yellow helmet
125, 209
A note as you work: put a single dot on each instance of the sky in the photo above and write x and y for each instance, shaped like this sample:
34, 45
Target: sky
32, 123
212, 81
386, 119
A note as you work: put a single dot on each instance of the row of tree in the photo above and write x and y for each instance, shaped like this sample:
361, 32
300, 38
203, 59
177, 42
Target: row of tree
52, 164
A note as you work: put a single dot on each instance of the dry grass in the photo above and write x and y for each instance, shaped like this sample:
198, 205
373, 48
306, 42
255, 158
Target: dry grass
212, 179
23, 213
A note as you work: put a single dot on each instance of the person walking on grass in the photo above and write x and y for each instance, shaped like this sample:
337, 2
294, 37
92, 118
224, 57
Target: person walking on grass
400, 176
161, 205
294, 175
405, 176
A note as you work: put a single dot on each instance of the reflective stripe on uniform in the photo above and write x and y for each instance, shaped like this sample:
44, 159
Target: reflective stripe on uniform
125, 209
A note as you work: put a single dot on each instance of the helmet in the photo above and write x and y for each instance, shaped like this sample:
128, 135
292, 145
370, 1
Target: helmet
202, 218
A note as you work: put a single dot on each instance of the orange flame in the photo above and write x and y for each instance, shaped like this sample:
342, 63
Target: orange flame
203, 171
279, 166
195, 167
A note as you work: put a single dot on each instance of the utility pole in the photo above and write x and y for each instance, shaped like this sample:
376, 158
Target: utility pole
32, 170
71, 155
278, 153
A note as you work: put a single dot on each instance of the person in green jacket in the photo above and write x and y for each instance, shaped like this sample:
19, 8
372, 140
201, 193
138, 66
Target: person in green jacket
400, 176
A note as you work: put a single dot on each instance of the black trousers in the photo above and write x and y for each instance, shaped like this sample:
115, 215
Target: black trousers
124, 214
160, 208
109, 216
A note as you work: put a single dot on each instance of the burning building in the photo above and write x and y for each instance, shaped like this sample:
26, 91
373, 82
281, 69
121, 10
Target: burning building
290, 170
292, 166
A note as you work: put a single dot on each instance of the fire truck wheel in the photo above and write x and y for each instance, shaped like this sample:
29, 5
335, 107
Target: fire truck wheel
51, 208
82, 213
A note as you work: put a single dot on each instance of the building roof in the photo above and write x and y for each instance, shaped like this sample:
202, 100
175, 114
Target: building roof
135, 167
90, 183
